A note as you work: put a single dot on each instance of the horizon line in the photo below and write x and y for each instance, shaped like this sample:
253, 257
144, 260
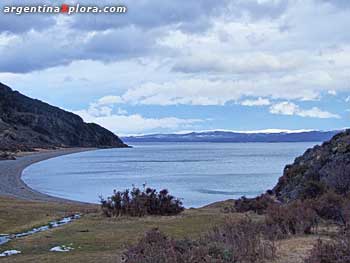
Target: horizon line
266, 131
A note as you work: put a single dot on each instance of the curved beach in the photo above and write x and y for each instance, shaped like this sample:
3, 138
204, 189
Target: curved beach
11, 183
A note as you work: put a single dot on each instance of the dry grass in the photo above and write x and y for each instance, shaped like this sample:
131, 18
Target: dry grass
19, 215
294, 250
100, 239
94, 237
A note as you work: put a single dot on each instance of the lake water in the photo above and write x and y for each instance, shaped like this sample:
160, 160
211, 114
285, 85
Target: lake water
198, 173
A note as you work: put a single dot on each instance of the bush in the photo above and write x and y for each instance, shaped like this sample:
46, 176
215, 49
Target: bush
141, 203
257, 205
301, 216
243, 241
156, 247
332, 206
295, 218
335, 251
313, 189
232, 242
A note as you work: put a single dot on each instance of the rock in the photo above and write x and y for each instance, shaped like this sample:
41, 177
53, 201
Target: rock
7, 156
327, 165
62, 248
9, 253
26, 124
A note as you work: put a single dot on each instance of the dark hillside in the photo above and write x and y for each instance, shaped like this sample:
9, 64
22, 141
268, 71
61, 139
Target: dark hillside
27, 123
325, 167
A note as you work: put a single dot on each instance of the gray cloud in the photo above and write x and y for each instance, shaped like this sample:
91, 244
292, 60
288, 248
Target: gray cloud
338, 3
16, 24
36, 51
186, 14
122, 43
40, 42
225, 37
258, 9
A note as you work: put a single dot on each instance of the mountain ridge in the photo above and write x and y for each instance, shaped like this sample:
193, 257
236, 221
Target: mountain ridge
233, 136
26, 124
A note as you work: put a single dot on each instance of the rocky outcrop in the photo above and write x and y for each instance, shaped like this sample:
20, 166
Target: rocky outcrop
322, 167
27, 123
7, 156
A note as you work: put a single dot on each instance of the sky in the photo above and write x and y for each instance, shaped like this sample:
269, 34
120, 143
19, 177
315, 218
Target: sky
169, 66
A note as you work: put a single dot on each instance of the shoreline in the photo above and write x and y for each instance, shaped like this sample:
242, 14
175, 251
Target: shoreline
12, 185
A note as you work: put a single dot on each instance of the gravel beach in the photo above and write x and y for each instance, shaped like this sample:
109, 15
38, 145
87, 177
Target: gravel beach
11, 183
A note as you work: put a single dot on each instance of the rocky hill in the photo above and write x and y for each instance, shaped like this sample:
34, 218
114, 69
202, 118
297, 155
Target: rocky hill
325, 167
27, 123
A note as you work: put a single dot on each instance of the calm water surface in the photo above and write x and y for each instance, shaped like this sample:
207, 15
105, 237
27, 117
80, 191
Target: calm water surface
199, 173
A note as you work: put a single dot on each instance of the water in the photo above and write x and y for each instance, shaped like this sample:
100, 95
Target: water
5, 238
199, 173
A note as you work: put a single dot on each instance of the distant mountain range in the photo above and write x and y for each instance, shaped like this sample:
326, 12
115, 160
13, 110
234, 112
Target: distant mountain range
26, 124
232, 136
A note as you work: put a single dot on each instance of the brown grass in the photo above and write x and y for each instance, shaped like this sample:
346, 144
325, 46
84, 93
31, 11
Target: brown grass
94, 237
19, 215
100, 239
294, 250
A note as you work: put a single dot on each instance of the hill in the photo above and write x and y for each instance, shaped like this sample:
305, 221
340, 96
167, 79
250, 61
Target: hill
322, 168
230, 136
27, 123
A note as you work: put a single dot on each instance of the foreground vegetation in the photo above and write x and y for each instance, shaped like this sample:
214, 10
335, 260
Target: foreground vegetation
248, 241
129, 228
94, 237
97, 238
140, 203
319, 206
242, 241
19, 215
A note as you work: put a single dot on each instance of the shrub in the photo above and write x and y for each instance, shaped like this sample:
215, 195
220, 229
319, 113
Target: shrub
141, 203
335, 251
297, 217
330, 206
257, 205
241, 242
313, 189
156, 247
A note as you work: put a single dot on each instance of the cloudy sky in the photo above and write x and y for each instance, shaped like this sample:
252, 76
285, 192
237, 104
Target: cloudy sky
187, 65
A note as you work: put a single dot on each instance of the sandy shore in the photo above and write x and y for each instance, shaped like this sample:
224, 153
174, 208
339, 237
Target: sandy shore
11, 183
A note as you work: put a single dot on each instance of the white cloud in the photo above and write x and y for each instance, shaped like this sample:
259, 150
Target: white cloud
123, 124
259, 102
203, 54
121, 111
252, 63
201, 91
108, 100
317, 113
285, 108
289, 108
332, 92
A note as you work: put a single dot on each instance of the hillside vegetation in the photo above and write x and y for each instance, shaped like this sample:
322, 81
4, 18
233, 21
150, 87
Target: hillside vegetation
323, 168
26, 124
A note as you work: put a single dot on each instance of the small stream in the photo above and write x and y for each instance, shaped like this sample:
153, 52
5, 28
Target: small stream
5, 238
